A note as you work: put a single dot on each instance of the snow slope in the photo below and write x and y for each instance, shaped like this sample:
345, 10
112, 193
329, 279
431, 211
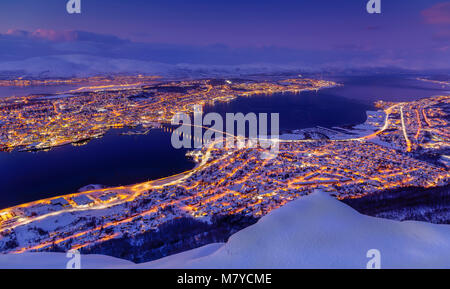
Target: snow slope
83, 65
58, 261
316, 231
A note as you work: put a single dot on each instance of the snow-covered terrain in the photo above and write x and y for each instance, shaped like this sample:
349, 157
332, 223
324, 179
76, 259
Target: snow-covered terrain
87, 65
316, 231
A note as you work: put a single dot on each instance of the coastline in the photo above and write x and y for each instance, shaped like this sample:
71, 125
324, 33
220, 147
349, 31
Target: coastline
127, 206
168, 180
164, 181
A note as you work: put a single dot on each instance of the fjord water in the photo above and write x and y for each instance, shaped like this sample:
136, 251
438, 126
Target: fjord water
112, 160
119, 159
304, 110
336, 106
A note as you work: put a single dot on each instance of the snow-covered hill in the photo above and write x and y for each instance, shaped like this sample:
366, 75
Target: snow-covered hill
313, 232
88, 65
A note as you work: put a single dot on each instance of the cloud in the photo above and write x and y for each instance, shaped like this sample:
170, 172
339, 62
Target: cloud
65, 36
442, 36
373, 27
19, 45
44, 34
68, 53
437, 14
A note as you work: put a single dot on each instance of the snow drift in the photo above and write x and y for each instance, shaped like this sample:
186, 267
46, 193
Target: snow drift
316, 231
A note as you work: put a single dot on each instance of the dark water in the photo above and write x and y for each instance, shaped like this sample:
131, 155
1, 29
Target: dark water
307, 109
119, 160
112, 160
369, 89
44, 89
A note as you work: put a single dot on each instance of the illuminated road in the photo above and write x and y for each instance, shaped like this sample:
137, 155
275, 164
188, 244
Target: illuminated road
138, 189
247, 170
405, 134
419, 125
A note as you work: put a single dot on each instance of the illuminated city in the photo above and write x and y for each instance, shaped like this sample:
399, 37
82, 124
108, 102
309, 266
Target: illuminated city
373, 157
36, 122
225, 135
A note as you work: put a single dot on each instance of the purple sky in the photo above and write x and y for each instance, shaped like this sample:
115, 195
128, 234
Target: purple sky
408, 33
